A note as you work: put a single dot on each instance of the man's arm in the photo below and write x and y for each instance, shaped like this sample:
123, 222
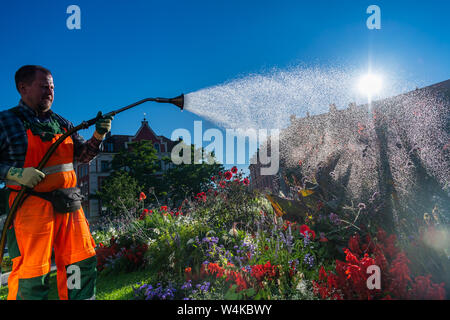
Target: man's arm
4, 167
85, 151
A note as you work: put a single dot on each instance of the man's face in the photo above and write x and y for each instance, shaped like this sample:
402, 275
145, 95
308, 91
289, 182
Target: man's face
40, 93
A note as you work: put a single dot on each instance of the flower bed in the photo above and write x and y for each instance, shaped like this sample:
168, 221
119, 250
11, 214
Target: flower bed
228, 243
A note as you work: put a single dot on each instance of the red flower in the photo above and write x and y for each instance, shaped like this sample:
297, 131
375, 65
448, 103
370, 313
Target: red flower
304, 230
264, 272
164, 208
246, 182
142, 196
353, 244
201, 196
144, 213
222, 184
228, 175
349, 281
234, 170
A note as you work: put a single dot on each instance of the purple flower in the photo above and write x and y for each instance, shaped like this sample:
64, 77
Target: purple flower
309, 260
334, 218
203, 286
187, 285
306, 239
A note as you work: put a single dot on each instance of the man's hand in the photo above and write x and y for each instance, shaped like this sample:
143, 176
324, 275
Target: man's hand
102, 127
29, 177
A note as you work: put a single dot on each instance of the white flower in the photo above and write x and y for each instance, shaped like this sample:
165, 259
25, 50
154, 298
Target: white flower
233, 232
302, 287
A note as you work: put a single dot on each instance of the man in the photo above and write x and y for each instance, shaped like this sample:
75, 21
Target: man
26, 133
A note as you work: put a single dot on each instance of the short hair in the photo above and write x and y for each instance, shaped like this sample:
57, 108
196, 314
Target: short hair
27, 74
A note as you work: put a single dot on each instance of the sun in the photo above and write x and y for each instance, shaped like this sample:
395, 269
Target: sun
370, 84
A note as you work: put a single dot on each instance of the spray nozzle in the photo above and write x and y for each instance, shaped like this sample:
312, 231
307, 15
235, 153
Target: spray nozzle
178, 101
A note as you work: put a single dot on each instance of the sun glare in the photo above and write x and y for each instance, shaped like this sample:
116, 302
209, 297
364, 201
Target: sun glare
370, 84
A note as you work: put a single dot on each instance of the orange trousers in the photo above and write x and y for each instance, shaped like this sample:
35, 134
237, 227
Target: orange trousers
37, 229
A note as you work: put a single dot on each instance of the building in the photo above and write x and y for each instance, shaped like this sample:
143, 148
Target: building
358, 135
91, 175
265, 183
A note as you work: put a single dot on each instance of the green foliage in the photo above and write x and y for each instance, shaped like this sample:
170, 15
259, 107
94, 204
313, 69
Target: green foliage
228, 203
141, 161
139, 169
172, 246
184, 180
233, 294
119, 192
6, 264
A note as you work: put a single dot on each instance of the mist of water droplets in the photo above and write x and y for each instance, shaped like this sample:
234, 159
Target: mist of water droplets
406, 149
267, 100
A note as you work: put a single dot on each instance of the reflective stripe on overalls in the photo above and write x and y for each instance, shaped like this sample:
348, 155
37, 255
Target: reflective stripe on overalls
37, 229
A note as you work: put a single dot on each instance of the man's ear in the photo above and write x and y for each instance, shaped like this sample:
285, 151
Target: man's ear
22, 88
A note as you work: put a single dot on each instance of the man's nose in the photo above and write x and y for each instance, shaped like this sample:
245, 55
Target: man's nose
49, 91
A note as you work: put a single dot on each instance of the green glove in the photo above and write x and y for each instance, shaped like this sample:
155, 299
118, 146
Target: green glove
29, 177
103, 125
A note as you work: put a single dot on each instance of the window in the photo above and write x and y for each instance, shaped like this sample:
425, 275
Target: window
82, 170
104, 165
100, 182
156, 147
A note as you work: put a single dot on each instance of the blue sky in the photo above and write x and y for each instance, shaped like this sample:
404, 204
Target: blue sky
129, 50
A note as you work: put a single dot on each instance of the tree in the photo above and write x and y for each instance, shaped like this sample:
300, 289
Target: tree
119, 192
141, 161
183, 180
139, 169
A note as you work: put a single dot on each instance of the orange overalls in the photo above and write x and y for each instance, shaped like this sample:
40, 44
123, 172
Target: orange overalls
37, 229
